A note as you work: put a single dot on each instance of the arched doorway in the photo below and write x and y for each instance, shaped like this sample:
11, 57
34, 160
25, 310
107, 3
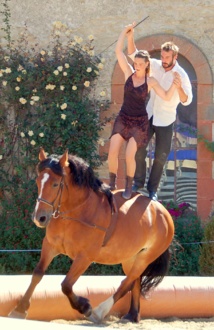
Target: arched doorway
204, 104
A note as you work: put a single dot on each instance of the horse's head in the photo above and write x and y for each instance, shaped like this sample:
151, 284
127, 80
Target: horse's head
50, 183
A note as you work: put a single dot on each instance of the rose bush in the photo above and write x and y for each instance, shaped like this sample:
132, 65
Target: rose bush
49, 98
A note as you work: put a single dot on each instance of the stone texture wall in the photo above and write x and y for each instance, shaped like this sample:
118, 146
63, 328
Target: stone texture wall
104, 19
189, 22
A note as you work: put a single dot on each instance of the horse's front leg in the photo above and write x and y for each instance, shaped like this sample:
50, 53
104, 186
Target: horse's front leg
79, 266
47, 255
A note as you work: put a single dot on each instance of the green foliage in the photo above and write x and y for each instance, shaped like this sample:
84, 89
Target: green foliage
98, 269
206, 260
6, 20
19, 233
208, 144
186, 245
48, 98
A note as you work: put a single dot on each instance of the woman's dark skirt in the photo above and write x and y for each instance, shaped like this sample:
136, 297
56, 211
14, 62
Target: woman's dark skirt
136, 127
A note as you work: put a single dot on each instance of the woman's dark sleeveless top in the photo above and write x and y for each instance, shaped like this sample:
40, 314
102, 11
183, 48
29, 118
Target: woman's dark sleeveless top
134, 101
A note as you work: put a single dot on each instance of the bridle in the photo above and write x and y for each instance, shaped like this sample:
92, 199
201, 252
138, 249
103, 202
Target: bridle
56, 211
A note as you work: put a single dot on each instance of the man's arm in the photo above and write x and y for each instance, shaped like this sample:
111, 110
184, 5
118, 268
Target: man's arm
183, 97
185, 91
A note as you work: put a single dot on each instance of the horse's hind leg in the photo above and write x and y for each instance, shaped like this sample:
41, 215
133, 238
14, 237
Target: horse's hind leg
21, 309
133, 314
143, 259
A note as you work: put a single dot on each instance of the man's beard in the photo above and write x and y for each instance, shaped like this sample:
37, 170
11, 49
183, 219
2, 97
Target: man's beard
166, 65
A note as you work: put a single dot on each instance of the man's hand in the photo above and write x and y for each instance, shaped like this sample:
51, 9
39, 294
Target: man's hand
177, 79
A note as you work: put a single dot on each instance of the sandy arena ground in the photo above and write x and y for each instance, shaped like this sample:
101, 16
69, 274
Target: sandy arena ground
147, 324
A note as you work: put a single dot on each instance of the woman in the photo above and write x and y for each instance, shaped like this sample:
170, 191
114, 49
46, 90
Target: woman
131, 124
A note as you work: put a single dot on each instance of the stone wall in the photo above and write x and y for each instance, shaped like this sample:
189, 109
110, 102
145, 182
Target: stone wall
104, 19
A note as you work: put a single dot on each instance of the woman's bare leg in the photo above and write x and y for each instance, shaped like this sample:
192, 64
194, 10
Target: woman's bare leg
114, 149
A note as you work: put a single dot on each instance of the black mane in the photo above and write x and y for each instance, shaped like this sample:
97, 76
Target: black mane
82, 174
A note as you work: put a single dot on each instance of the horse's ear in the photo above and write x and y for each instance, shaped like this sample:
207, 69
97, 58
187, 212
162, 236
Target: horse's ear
64, 159
42, 155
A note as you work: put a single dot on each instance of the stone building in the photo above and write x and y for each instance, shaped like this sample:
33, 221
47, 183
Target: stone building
189, 23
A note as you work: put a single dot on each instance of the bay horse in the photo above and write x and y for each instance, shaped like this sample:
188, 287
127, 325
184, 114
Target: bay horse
87, 222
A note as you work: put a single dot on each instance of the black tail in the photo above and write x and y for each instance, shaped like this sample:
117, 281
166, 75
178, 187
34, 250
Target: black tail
154, 273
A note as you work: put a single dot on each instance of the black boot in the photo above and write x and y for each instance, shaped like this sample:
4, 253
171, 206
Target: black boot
112, 181
128, 190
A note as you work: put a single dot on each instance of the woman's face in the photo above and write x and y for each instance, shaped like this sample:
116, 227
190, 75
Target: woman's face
140, 64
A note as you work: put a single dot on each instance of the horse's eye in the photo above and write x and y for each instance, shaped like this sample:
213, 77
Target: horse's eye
55, 185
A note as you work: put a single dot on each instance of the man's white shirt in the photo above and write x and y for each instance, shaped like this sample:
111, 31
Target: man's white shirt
164, 112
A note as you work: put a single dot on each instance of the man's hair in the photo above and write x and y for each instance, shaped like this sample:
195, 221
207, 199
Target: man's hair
169, 45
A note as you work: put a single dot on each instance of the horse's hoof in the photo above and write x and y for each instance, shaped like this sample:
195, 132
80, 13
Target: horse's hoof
93, 318
134, 318
17, 315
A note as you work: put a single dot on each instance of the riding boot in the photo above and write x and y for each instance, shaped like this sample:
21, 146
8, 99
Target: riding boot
112, 181
128, 190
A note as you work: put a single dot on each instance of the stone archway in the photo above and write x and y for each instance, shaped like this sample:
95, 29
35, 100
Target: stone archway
205, 113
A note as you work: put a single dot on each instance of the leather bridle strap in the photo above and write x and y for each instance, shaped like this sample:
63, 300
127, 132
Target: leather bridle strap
59, 194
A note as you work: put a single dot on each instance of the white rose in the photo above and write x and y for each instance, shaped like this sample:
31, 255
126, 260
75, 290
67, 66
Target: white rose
103, 93
63, 106
63, 116
8, 70
22, 100
35, 98
100, 66
90, 37
87, 83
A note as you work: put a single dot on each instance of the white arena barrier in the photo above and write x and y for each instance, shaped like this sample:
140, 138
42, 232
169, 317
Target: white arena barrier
183, 297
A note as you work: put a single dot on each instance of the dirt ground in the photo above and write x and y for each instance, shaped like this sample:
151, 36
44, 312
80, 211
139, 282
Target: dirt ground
148, 324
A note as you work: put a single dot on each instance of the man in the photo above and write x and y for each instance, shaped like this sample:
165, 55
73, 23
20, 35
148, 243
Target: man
162, 114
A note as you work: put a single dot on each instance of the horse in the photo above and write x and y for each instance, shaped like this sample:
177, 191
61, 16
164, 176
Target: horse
87, 222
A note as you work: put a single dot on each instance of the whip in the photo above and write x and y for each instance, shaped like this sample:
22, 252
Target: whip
116, 40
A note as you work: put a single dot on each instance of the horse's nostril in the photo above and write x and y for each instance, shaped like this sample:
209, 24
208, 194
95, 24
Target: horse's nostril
42, 219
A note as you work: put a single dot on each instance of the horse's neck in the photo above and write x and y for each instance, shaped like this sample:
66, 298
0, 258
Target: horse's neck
76, 198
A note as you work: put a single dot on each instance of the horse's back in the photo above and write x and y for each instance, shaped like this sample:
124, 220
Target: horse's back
140, 223
138, 207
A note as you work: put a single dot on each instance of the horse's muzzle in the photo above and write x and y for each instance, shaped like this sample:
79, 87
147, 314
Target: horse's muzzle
41, 220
